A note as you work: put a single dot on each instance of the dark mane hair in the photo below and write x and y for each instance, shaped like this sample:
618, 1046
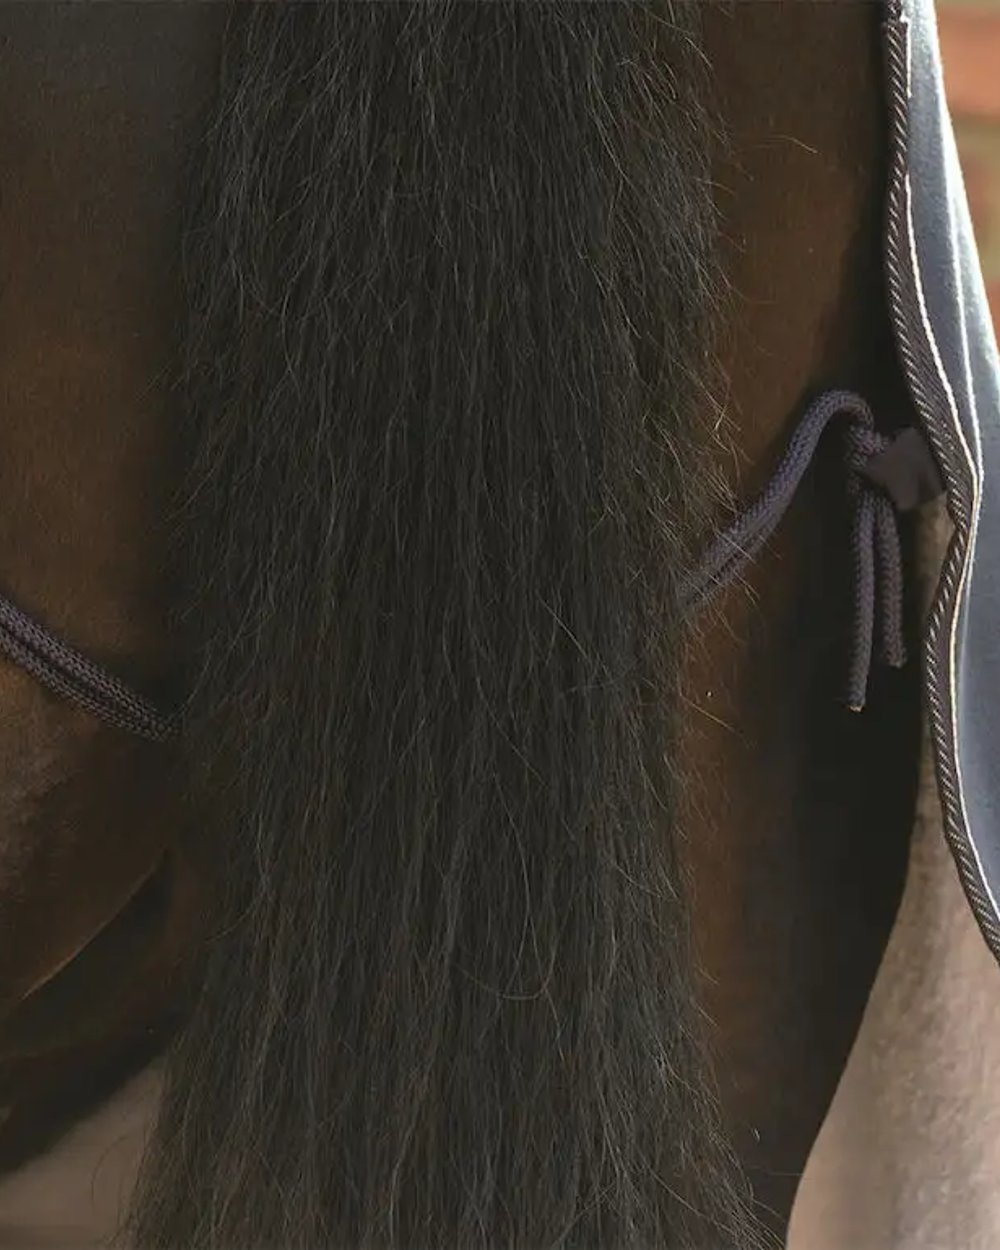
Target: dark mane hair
450, 274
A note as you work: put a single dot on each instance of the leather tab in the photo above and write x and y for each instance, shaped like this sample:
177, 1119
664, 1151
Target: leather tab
906, 471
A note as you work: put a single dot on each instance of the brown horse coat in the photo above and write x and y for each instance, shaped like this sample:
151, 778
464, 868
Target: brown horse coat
806, 809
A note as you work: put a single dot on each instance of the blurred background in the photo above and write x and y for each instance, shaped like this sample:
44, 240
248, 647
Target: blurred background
970, 42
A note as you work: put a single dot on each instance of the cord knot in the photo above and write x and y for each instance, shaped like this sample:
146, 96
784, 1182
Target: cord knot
885, 477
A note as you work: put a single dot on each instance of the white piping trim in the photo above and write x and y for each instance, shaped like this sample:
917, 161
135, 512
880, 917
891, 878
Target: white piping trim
961, 596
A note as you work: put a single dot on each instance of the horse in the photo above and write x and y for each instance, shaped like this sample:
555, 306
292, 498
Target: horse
371, 374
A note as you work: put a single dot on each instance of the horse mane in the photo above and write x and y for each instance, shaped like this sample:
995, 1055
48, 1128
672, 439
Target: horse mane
450, 271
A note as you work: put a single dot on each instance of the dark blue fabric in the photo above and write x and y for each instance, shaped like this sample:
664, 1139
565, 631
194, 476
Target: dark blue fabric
960, 327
